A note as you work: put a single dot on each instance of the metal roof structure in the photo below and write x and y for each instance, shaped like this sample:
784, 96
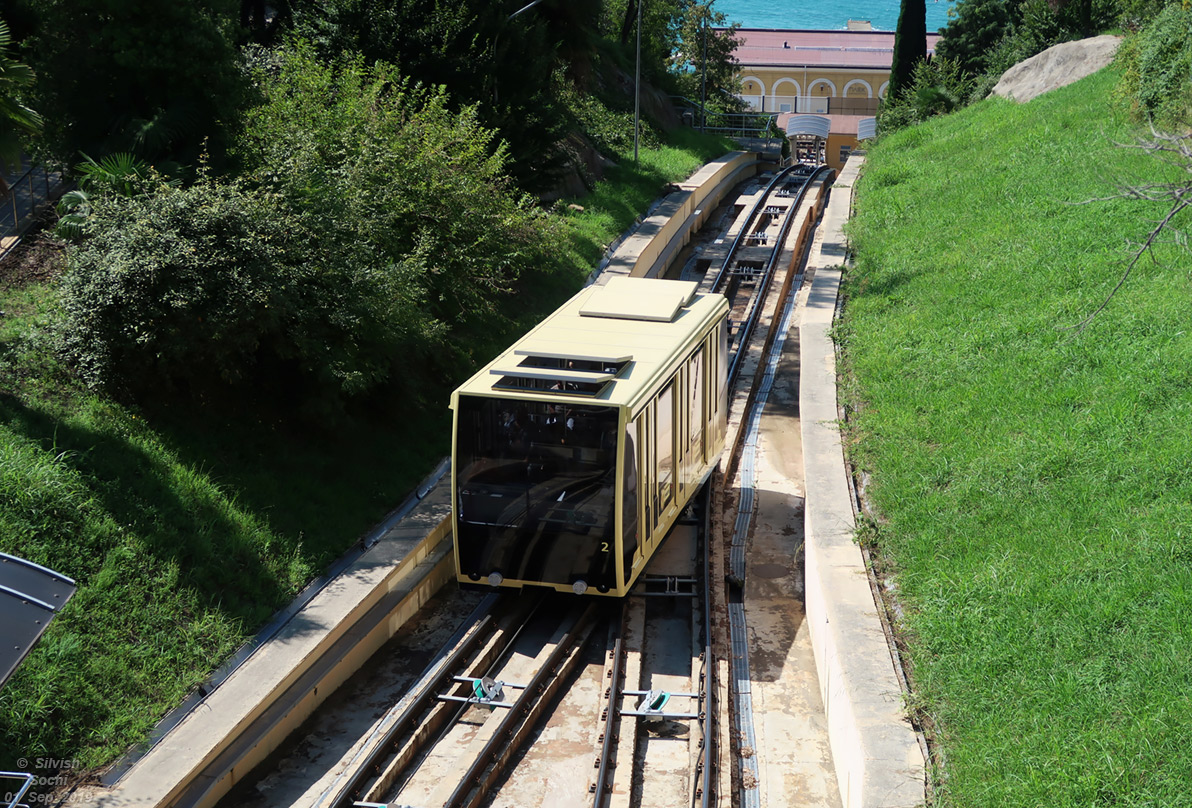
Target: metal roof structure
816, 125
30, 596
607, 343
866, 128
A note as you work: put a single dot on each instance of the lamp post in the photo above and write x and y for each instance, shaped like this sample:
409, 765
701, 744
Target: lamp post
637, 84
497, 39
703, 99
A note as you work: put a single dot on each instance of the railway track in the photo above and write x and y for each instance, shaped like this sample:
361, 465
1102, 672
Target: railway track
527, 687
664, 726
452, 740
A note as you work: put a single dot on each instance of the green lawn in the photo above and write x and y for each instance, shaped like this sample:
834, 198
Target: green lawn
186, 529
1034, 484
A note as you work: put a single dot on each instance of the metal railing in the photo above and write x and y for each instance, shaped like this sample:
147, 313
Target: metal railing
732, 124
13, 798
812, 104
28, 193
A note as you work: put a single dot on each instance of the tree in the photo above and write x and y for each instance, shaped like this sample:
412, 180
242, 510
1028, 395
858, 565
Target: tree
973, 33
705, 47
422, 184
401, 187
910, 46
479, 52
17, 121
155, 79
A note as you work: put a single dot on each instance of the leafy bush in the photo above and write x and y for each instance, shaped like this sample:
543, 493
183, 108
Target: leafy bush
1157, 67
1137, 13
374, 221
415, 192
194, 289
118, 173
937, 86
610, 130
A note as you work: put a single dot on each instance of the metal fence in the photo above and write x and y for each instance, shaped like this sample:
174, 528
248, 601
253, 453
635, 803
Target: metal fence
813, 104
30, 189
733, 124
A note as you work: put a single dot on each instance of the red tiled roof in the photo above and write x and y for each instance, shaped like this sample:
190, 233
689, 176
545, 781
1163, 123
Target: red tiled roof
767, 47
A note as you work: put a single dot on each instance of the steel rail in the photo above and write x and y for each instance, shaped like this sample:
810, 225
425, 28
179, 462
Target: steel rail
604, 783
426, 699
744, 231
435, 724
755, 303
486, 769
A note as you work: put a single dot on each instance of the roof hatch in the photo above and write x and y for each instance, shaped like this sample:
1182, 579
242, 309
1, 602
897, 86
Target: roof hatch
640, 299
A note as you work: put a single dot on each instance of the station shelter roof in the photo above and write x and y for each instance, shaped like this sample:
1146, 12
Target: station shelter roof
782, 48
817, 125
838, 124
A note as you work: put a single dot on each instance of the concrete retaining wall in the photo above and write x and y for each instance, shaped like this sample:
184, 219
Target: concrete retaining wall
650, 248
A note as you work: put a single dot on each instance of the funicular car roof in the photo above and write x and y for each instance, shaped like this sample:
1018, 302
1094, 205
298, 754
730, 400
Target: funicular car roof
649, 322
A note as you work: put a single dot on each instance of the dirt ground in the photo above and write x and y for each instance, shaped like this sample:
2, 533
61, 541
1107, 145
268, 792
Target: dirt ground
36, 259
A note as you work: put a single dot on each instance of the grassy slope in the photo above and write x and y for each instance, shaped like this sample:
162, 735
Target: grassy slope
1035, 484
186, 530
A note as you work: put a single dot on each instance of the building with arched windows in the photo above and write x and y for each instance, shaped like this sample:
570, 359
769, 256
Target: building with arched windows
841, 74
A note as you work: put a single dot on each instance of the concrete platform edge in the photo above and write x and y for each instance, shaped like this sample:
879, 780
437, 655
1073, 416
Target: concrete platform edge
874, 748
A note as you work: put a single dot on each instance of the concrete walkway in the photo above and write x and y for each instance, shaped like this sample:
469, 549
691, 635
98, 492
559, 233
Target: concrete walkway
876, 753
795, 765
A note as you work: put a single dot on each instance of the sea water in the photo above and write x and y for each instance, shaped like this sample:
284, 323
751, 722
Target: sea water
825, 15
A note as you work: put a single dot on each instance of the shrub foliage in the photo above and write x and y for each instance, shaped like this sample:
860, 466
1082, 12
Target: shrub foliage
1157, 62
213, 285
373, 222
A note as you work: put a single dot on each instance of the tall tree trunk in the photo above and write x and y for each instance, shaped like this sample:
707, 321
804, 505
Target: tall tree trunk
627, 23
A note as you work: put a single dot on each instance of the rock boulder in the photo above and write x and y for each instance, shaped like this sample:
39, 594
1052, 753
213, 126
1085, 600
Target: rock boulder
1057, 66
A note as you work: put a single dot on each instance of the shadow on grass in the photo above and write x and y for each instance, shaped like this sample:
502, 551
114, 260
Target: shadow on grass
318, 488
223, 553
885, 285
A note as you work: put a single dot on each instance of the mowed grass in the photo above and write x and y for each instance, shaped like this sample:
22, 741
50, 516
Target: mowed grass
186, 529
1034, 483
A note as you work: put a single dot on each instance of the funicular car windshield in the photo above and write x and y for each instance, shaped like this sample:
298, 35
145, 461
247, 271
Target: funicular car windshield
536, 490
